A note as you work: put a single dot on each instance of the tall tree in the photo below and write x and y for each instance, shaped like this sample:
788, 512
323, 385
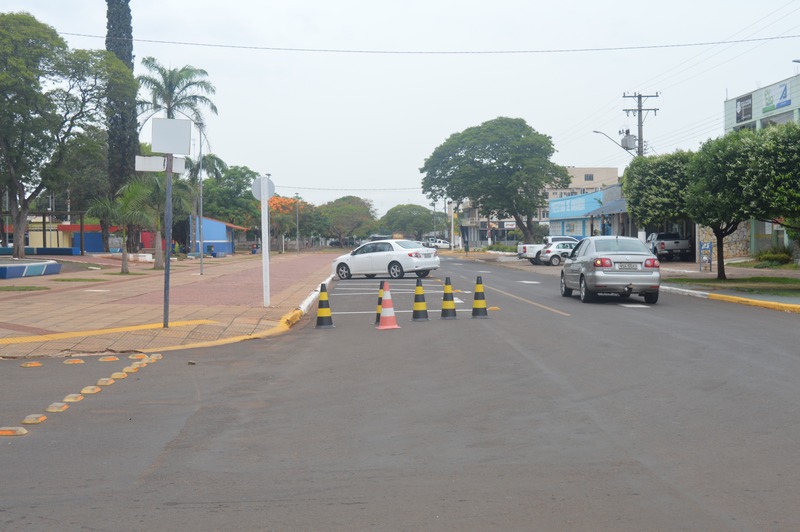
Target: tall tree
49, 94
229, 198
123, 128
655, 187
215, 168
411, 220
346, 215
715, 197
503, 166
176, 91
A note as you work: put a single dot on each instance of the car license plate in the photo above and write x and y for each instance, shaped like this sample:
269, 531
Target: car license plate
627, 266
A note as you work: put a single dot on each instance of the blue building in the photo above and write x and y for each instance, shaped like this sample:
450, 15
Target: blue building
218, 236
603, 212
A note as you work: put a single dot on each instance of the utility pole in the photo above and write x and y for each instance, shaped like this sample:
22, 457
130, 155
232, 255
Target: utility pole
639, 114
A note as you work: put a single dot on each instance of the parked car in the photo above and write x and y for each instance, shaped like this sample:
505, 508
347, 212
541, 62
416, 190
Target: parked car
439, 244
668, 245
555, 253
532, 252
392, 257
611, 265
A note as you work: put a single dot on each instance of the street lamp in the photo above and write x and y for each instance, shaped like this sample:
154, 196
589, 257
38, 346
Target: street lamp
614, 141
297, 218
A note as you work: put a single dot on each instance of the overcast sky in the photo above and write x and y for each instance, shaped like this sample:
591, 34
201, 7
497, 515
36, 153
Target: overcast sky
350, 97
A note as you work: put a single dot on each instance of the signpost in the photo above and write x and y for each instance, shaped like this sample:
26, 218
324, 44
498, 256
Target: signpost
707, 255
263, 189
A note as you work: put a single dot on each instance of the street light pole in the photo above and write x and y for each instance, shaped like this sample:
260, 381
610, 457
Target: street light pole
614, 141
200, 179
297, 218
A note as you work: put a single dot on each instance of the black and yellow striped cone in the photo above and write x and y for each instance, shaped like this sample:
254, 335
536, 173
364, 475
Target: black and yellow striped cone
324, 320
479, 301
448, 304
380, 303
420, 312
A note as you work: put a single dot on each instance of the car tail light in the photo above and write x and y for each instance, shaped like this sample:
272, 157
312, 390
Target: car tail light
651, 263
602, 263
546, 251
663, 245
415, 254
524, 249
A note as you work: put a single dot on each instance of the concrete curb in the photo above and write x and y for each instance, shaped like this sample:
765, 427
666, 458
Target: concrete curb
772, 305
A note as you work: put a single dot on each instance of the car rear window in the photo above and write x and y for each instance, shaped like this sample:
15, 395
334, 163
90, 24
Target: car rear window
618, 244
407, 244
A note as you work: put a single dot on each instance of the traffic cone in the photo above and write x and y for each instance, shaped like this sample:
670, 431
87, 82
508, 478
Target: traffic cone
448, 304
420, 312
479, 302
380, 301
324, 320
388, 320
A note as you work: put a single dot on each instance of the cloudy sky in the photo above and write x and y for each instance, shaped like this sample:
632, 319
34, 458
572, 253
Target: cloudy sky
350, 97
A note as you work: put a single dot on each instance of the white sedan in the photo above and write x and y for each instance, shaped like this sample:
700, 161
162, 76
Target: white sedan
392, 257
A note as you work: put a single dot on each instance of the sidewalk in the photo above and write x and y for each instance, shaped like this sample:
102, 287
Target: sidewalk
94, 311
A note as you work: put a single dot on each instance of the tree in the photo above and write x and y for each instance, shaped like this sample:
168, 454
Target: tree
715, 196
503, 166
229, 198
346, 215
215, 168
121, 117
126, 209
175, 91
408, 219
655, 187
49, 94
85, 169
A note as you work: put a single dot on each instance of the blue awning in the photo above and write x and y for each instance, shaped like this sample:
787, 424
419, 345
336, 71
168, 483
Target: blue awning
613, 207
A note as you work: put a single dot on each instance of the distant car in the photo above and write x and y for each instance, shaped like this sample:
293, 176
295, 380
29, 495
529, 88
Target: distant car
611, 265
439, 244
555, 253
392, 257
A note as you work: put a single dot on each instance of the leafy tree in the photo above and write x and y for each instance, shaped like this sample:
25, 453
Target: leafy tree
126, 209
715, 196
408, 219
229, 198
84, 169
50, 94
655, 187
346, 215
215, 168
503, 166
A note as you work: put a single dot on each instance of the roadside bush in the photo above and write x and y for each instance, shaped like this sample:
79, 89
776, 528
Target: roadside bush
777, 256
502, 247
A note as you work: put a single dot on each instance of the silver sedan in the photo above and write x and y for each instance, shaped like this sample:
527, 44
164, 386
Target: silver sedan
611, 265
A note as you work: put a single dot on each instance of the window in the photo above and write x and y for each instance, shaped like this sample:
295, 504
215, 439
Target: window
588, 177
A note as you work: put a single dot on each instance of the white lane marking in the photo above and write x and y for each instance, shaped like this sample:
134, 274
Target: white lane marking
530, 282
633, 305
97, 290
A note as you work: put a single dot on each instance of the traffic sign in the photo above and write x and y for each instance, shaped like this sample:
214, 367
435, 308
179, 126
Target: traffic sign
256, 188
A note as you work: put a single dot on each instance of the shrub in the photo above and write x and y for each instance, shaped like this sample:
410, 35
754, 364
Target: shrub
502, 247
778, 255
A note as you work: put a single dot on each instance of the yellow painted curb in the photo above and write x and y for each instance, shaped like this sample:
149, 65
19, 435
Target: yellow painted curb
91, 390
109, 359
73, 398
70, 361
119, 375
785, 307
57, 407
33, 419
12, 431
35, 364
97, 332
105, 381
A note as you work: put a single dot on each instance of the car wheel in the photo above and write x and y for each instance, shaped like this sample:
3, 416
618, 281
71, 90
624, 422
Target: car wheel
396, 271
651, 298
587, 296
566, 292
370, 275
343, 271
423, 273
532, 261
538, 257
555, 260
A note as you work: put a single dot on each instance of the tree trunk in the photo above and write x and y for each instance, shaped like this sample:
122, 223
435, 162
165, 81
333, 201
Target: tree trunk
105, 234
720, 234
159, 253
20, 218
125, 269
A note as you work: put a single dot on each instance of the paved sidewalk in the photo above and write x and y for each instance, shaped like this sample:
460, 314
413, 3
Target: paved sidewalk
94, 311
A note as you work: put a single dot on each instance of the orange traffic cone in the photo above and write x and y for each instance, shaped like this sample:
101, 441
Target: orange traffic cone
479, 302
420, 312
448, 304
388, 320
380, 301
324, 320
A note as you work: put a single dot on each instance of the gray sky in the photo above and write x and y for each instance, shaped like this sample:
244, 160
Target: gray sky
327, 124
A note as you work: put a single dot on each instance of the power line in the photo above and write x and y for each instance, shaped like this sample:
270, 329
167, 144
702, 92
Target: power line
447, 52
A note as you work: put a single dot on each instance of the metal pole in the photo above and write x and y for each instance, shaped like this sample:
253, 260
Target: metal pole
265, 237
200, 213
168, 244
297, 221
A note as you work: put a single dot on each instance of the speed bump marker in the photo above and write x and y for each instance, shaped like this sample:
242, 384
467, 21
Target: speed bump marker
139, 364
73, 398
105, 381
33, 419
91, 390
12, 431
137, 356
119, 375
156, 356
74, 361
111, 358
130, 369
35, 364
56, 407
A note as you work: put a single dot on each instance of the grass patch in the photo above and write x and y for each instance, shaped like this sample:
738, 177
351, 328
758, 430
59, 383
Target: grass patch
776, 286
22, 288
763, 265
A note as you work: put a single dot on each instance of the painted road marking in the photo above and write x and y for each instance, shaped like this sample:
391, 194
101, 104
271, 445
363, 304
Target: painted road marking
97, 332
530, 282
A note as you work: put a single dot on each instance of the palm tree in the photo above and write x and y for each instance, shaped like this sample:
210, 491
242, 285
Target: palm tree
126, 209
153, 208
175, 91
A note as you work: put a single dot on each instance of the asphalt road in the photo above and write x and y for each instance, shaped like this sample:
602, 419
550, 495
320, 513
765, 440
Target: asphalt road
549, 415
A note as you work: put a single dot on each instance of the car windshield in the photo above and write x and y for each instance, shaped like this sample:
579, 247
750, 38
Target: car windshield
407, 244
619, 244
